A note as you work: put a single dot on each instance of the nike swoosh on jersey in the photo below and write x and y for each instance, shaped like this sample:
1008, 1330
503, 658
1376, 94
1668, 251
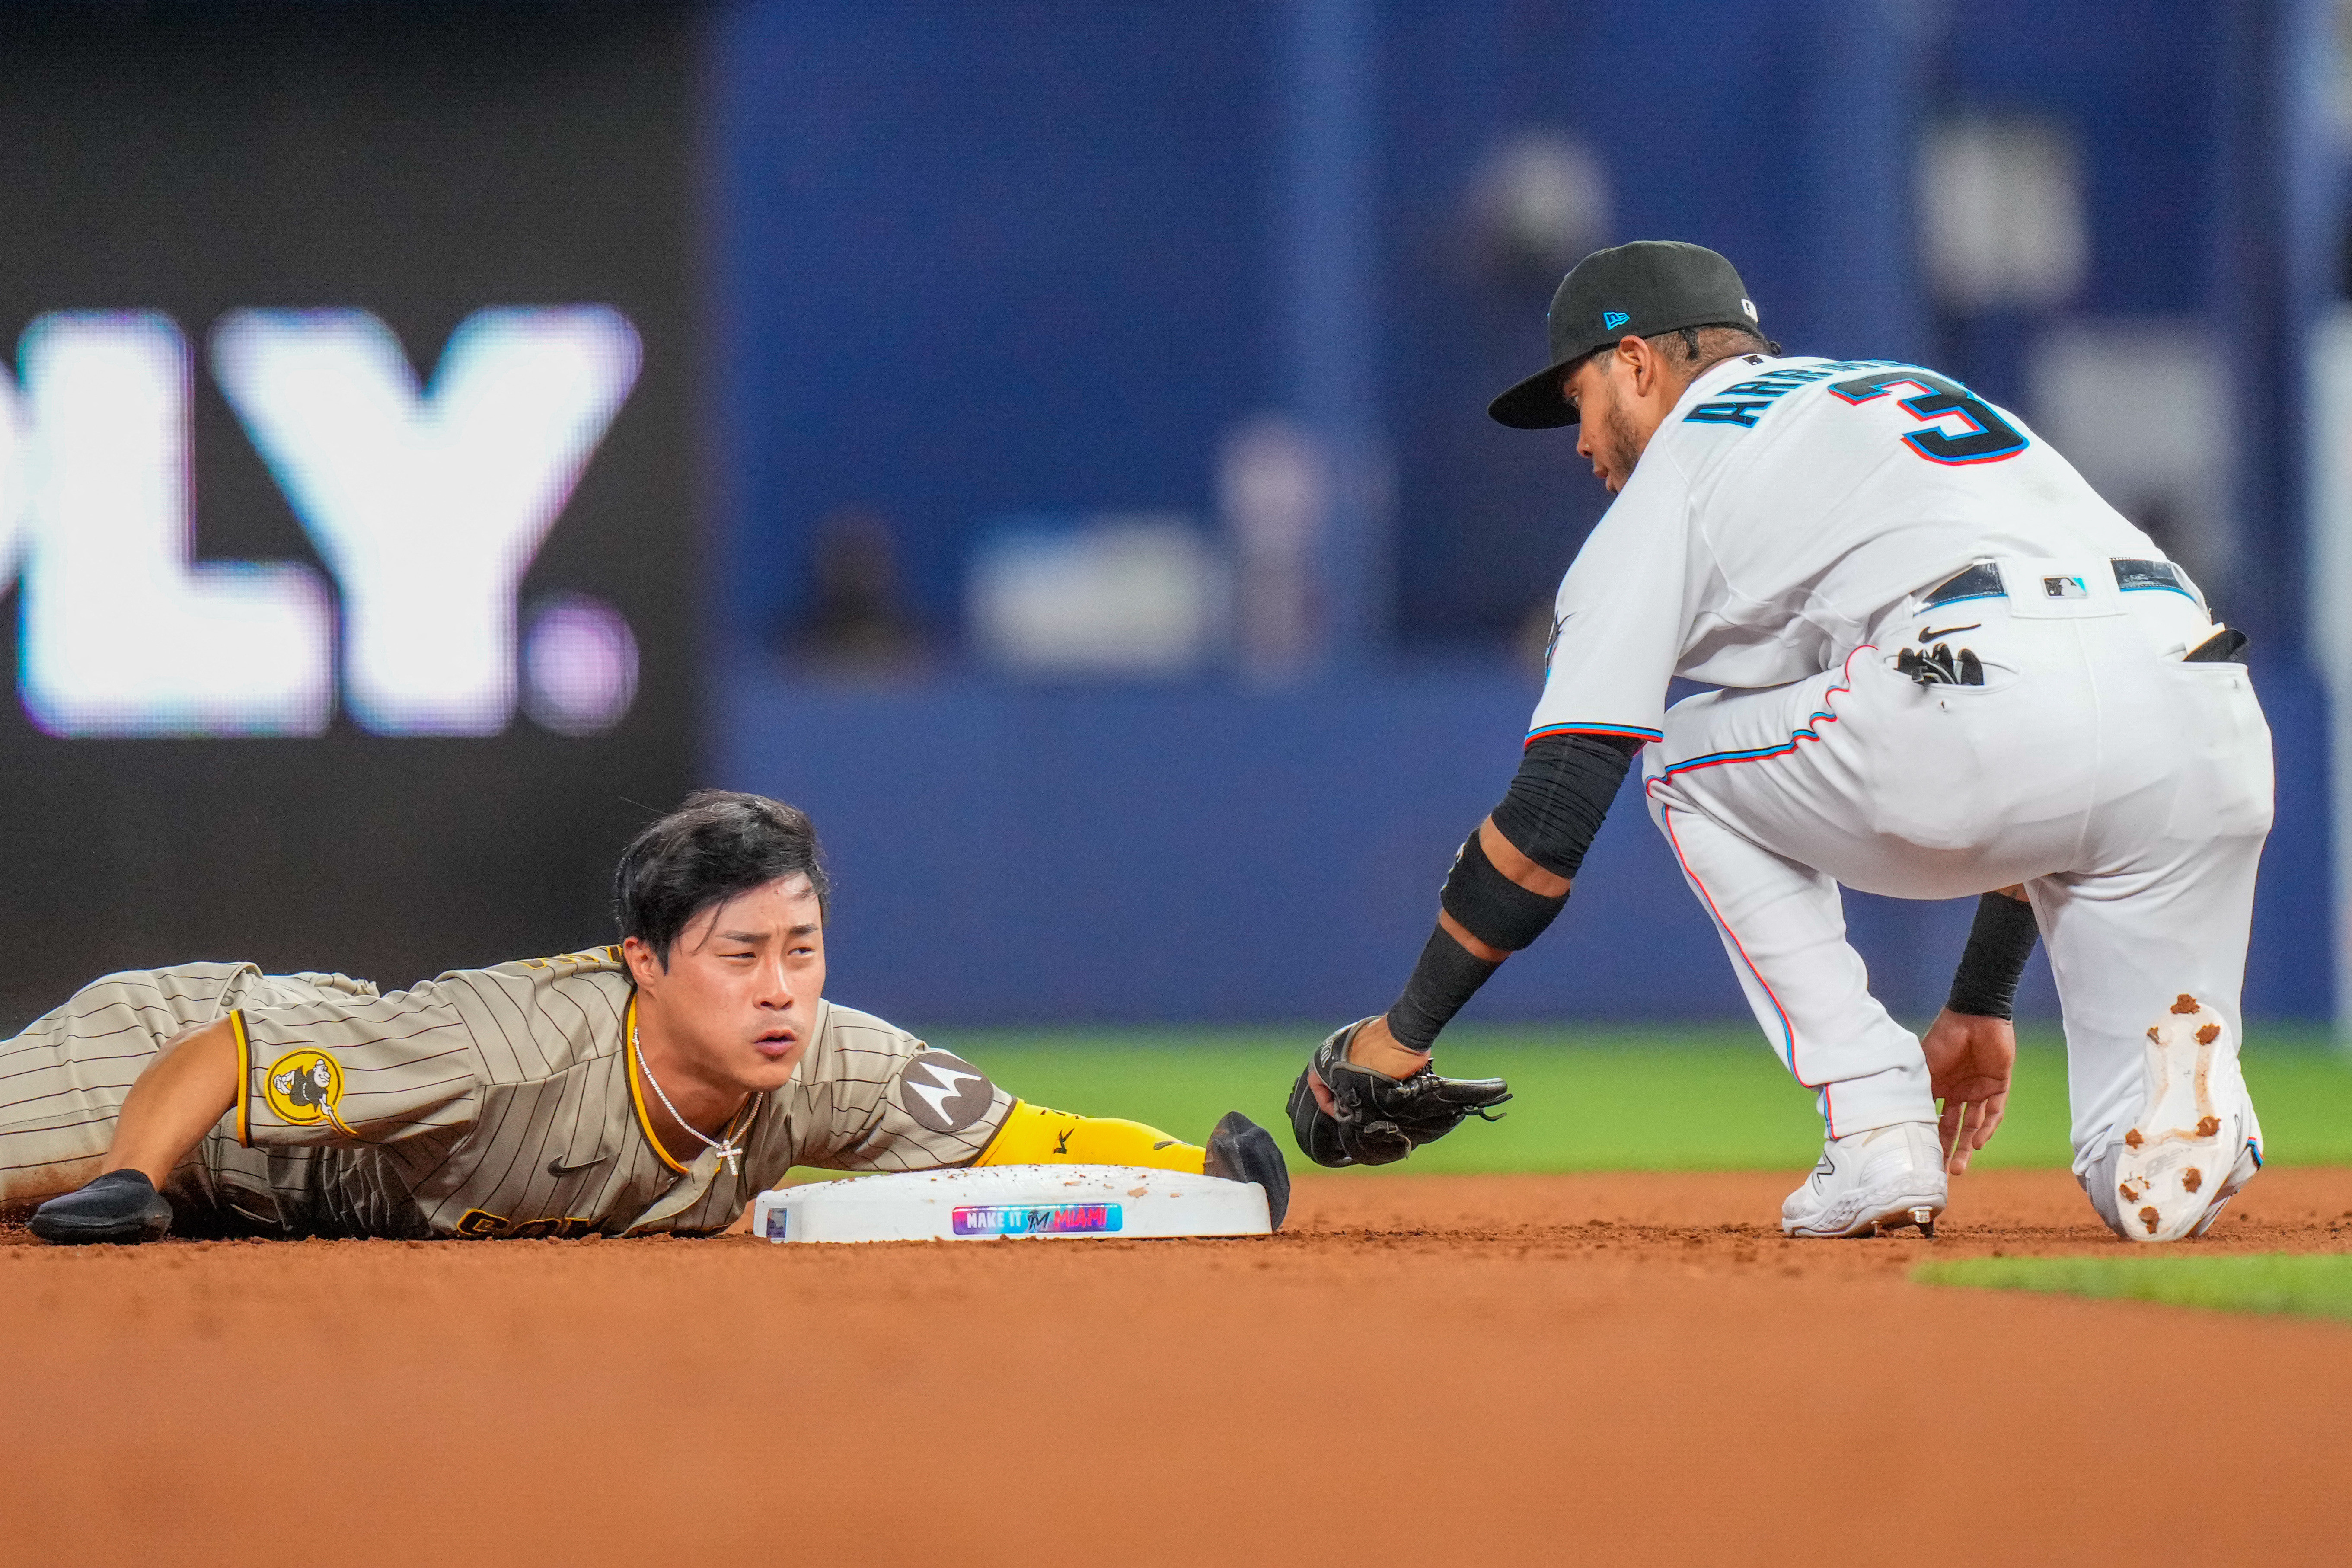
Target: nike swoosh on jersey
1927, 634
558, 1168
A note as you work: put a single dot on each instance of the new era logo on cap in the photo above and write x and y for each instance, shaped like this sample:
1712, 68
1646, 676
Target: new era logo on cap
1749, 306
1612, 320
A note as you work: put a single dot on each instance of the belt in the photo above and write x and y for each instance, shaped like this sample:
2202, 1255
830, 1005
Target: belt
1982, 581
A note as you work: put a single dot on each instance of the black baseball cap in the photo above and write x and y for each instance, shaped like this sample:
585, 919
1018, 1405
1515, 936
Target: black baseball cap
1640, 290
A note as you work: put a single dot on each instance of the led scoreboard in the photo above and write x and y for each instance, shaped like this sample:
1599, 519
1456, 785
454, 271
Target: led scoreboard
348, 496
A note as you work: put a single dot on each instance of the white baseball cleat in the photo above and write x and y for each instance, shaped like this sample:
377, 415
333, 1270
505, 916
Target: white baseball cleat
1870, 1182
2189, 1151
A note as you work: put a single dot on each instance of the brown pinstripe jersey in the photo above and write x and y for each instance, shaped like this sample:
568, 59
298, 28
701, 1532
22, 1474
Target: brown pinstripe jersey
496, 1101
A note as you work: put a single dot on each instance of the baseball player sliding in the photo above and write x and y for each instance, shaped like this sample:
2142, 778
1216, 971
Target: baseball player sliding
651, 1087
1946, 667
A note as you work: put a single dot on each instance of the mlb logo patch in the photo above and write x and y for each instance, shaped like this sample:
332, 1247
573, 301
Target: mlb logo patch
2065, 588
1612, 320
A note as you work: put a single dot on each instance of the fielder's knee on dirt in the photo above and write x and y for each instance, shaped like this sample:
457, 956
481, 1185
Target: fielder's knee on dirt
1036, 1135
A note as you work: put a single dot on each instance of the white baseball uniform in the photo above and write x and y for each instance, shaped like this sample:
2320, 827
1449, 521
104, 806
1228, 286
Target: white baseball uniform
1782, 537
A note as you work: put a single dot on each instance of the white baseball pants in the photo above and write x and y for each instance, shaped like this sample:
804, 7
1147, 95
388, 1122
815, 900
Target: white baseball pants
2128, 791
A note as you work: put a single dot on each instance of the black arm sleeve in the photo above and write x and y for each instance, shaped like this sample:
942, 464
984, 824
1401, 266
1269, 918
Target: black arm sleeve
2000, 942
1558, 797
1448, 975
1553, 808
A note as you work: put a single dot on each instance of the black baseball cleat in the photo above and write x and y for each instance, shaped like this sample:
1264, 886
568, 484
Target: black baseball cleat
1241, 1151
120, 1206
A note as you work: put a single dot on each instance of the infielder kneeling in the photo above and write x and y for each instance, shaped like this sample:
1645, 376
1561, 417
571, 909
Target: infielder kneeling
1948, 667
655, 1085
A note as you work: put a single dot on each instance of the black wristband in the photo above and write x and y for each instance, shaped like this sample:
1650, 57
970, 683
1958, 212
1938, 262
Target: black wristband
2000, 942
1490, 906
1448, 975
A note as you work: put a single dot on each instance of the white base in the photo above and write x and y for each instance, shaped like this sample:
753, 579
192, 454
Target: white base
1064, 1202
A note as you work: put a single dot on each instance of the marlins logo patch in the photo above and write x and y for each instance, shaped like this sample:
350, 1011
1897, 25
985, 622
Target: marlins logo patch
303, 1087
1552, 647
944, 1093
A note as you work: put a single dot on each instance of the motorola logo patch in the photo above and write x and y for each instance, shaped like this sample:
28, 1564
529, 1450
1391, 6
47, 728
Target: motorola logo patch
944, 1093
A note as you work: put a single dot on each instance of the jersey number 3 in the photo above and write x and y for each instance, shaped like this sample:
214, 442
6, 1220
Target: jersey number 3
1987, 438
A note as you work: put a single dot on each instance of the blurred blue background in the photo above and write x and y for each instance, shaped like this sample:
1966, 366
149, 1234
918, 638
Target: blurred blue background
1218, 291
1047, 440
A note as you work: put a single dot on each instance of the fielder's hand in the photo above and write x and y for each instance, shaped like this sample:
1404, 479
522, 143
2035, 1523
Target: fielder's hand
1373, 1119
1969, 1063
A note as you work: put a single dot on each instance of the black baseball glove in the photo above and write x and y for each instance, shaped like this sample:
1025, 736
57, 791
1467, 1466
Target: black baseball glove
1380, 1119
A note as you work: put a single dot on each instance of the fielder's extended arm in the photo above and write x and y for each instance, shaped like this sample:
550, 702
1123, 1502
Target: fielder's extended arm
1512, 877
1368, 1096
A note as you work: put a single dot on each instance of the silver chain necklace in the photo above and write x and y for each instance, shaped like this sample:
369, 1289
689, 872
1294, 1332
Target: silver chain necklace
729, 1149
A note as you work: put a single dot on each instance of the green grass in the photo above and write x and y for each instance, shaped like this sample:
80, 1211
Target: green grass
2317, 1286
1597, 1099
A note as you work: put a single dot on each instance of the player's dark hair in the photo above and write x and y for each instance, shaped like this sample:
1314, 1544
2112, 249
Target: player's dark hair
719, 845
1712, 344
1697, 349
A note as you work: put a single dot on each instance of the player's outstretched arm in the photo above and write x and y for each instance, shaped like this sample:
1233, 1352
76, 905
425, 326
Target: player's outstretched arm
1237, 1150
1369, 1095
189, 1086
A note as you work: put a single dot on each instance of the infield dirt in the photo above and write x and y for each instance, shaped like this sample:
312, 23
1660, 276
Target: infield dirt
1422, 1370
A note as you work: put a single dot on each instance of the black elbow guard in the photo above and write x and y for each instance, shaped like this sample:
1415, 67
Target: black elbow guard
1490, 906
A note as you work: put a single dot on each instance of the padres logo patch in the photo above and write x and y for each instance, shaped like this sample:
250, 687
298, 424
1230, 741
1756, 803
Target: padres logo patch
944, 1093
303, 1087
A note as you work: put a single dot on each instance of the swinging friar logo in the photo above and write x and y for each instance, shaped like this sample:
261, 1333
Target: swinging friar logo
944, 1093
426, 504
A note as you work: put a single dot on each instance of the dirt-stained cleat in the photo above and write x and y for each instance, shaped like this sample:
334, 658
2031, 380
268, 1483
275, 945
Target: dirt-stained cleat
1889, 1178
2249, 1166
2187, 1153
1241, 1151
120, 1206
